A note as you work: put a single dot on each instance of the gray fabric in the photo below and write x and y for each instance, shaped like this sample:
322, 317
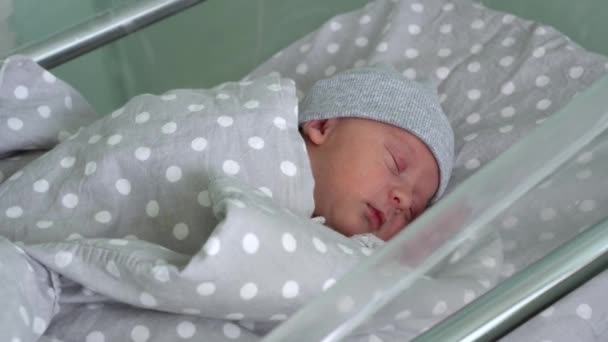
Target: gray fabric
381, 93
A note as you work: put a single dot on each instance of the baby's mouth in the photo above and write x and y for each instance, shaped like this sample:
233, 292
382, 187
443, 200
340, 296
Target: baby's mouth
375, 217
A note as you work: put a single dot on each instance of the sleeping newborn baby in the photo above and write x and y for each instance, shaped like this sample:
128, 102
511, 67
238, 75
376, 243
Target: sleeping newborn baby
380, 147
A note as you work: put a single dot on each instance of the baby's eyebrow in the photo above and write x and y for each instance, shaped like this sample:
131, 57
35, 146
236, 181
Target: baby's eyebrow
403, 143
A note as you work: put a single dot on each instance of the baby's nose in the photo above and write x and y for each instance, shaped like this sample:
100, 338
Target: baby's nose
401, 200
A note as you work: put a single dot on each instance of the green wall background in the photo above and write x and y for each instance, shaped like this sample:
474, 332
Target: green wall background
221, 40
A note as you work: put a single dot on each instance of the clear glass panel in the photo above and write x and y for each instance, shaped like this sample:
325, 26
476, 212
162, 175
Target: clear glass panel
529, 201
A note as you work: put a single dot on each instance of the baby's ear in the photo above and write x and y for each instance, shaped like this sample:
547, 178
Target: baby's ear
317, 131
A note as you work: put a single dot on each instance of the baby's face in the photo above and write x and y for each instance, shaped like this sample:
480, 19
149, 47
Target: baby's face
370, 177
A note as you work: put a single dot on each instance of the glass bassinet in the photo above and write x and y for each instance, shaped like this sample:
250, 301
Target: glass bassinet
264, 27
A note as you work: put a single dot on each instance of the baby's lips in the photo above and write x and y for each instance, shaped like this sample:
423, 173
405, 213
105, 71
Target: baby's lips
424, 243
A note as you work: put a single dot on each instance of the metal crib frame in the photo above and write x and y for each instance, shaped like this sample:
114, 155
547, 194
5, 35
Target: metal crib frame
488, 317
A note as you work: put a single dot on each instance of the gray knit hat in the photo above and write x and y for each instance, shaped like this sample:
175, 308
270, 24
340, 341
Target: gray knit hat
381, 93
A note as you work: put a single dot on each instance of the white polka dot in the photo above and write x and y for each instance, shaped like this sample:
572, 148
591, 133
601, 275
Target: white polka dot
470, 137
152, 209
44, 111
252, 104
359, 63
333, 48
21, 92
508, 19
473, 118
173, 174
587, 205
289, 242
44, 224
301, 68
90, 168
161, 273
576, 72
584, 311
94, 139
505, 129
361, 41
417, 7
67, 101
251, 243
445, 28
288, 168
410, 73
14, 124
543, 104
290, 289
448, 7
365, 19
382, 47
212, 246
206, 289
181, 231
168, 97
330, 70
196, 107
444, 52
488, 262
70, 201
440, 308
280, 122
547, 214
203, 198
119, 242
117, 113
507, 42
41, 185
103, 216
506, 61
413, 29
39, 325
147, 299
542, 81
231, 331
225, 121
114, 139
540, 31
256, 143
507, 112
140, 333
169, 128
474, 94
539, 52
472, 164
346, 249
476, 48
222, 96
230, 167
248, 291
123, 186
95, 336
411, 53
584, 174
48, 77
63, 259
478, 24
442, 72
186, 329
305, 47
585, 157
328, 283
548, 312
335, 26
507, 88
319, 245
112, 269
16, 175
142, 153
474, 67
345, 304
67, 162
142, 117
